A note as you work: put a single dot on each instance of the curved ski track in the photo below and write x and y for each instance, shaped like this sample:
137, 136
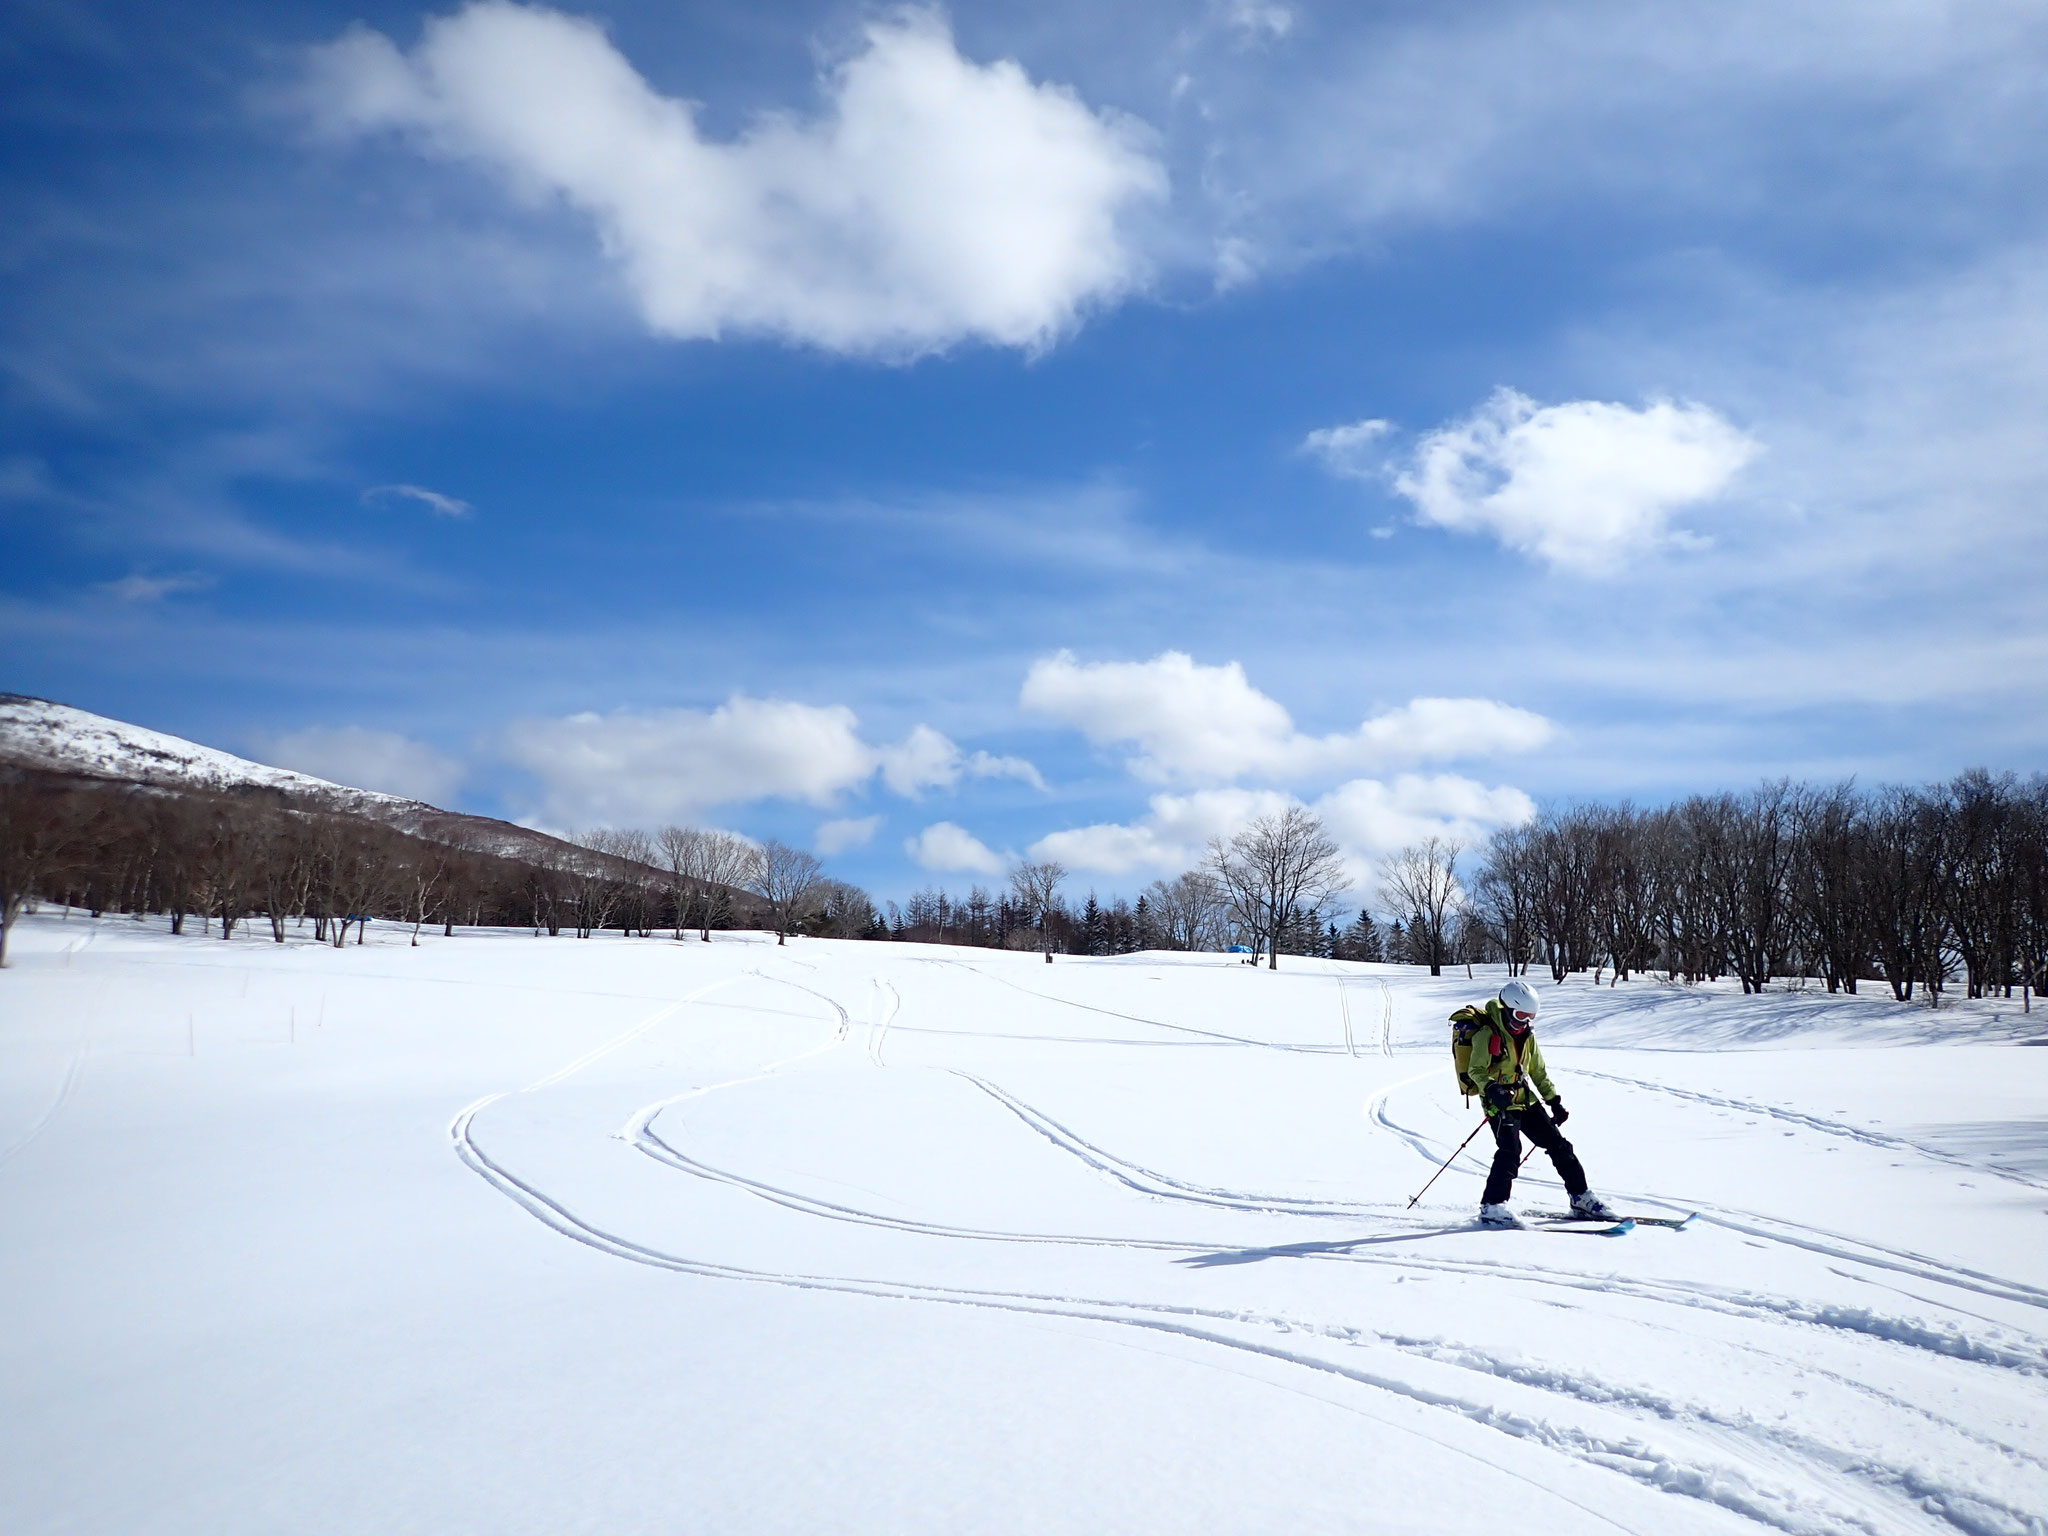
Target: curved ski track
1834, 1245
1868, 1138
1735, 1486
74, 1072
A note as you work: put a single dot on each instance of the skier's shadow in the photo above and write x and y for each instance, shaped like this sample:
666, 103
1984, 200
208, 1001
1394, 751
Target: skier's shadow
1311, 1250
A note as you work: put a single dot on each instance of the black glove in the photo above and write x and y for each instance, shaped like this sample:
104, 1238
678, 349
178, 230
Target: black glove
1558, 1113
1500, 1095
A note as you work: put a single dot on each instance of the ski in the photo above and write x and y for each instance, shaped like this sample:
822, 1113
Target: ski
1674, 1223
1576, 1228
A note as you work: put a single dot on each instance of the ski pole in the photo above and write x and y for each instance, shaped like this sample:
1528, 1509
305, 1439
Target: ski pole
1448, 1161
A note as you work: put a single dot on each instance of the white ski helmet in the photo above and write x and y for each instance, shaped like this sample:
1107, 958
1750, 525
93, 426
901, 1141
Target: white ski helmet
1519, 997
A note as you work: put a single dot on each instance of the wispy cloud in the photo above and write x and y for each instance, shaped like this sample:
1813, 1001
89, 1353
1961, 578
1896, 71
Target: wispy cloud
139, 588
23, 478
838, 836
1349, 451
434, 501
1427, 117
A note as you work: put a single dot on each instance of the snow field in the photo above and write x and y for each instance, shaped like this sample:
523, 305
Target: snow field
500, 1234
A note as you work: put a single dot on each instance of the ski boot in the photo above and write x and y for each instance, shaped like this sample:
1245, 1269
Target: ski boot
1498, 1216
1593, 1208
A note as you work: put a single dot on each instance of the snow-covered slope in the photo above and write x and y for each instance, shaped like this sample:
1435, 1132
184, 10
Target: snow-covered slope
523, 1235
44, 737
56, 738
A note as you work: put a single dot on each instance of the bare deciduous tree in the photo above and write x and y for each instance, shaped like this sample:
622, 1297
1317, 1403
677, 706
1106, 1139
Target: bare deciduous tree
1280, 864
1036, 885
1503, 897
677, 849
787, 878
425, 875
1422, 881
725, 861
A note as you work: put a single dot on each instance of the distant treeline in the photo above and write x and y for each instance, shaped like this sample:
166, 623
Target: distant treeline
1911, 887
1914, 888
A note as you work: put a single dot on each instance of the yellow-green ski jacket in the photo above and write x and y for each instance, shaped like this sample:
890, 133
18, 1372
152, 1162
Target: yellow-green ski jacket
1516, 1060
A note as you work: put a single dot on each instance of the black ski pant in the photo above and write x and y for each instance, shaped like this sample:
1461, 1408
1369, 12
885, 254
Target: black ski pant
1508, 1127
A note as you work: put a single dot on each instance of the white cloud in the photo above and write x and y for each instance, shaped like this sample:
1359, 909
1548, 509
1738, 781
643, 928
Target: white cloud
853, 832
931, 200
1171, 838
673, 764
926, 759
923, 760
638, 768
367, 759
1369, 818
943, 846
1584, 485
985, 765
434, 501
1346, 451
1200, 723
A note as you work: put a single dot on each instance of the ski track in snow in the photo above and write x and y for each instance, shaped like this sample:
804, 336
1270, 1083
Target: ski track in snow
1148, 1182
1815, 1240
880, 1031
1184, 1029
74, 1073
1744, 1486
1868, 1138
1730, 1487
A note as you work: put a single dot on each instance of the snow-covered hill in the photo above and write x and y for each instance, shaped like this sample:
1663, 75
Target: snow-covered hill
56, 738
49, 738
524, 1235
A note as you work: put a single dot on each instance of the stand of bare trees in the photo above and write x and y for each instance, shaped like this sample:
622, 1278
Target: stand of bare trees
1910, 887
229, 858
700, 866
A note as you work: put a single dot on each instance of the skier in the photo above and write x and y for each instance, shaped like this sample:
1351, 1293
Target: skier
1503, 1050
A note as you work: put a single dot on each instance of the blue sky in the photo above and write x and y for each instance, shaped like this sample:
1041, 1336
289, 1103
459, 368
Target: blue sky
945, 434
